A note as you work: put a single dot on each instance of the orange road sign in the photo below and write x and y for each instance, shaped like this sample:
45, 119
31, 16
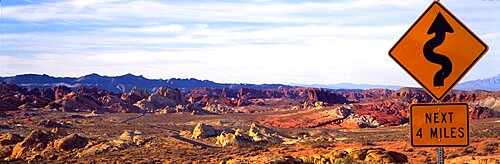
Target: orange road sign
439, 125
438, 50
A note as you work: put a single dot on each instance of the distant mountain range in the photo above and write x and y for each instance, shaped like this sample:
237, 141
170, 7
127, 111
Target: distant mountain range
125, 83
350, 86
490, 84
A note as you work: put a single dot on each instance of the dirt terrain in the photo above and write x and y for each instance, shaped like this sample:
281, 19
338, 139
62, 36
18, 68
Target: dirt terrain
167, 138
213, 125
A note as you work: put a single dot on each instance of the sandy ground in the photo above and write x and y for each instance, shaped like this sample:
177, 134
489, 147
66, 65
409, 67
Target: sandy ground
168, 146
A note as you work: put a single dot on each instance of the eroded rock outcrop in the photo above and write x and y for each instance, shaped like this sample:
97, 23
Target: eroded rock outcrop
202, 130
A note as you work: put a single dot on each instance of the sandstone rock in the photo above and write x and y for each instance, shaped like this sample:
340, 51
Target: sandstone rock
32, 145
145, 105
164, 96
171, 93
160, 101
109, 100
357, 154
167, 110
70, 142
378, 156
364, 121
218, 108
398, 157
60, 91
336, 156
58, 131
202, 130
95, 149
131, 137
479, 112
490, 102
92, 114
261, 133
9, 139
238, 138
368, 94
135, 95
75, 101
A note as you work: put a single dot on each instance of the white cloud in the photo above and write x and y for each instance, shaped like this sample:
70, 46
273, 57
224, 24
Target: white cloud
213, 11
254, 42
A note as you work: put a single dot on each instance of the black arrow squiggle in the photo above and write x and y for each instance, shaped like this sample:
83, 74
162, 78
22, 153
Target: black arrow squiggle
439, 27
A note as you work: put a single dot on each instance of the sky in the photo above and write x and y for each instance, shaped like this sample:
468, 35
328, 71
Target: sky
260, 41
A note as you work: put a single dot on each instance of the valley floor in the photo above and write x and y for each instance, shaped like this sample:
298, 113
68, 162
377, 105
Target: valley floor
167, 139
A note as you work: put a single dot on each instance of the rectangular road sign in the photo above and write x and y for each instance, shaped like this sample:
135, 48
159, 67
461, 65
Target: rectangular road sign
439, 125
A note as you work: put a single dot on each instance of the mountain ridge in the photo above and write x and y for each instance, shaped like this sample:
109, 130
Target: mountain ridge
127, 82
124, 83
491, 84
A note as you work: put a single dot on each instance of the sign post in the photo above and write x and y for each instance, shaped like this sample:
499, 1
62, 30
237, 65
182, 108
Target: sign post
437, 51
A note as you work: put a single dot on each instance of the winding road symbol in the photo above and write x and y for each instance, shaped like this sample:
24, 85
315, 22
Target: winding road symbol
439, 27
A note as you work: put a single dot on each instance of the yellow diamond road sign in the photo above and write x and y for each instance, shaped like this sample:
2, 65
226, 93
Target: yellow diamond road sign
438, 50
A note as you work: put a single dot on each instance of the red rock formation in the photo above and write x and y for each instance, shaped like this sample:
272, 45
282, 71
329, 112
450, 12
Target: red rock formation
479, 112
301, 94
48, 93
135, 95
75, 101
370, 94
60, 91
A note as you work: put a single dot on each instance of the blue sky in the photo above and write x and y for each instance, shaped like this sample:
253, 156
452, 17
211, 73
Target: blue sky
260, 41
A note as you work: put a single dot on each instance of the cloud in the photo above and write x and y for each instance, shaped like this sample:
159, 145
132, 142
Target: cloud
275, 12
255, 41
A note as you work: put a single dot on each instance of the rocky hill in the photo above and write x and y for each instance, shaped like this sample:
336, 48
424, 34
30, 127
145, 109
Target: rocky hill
309, 107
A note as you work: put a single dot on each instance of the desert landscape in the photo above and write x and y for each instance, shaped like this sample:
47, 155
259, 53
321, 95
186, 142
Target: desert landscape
212, 125
250, 82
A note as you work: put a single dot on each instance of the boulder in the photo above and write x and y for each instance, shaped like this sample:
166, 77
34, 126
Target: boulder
202, 130
58, 131
260, 133
363, 121
398, 157
132, 137
70, 142
32, 145
378, 156
238, 138
357, 154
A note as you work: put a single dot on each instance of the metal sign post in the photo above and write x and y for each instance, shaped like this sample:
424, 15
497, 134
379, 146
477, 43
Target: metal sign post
440, 155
